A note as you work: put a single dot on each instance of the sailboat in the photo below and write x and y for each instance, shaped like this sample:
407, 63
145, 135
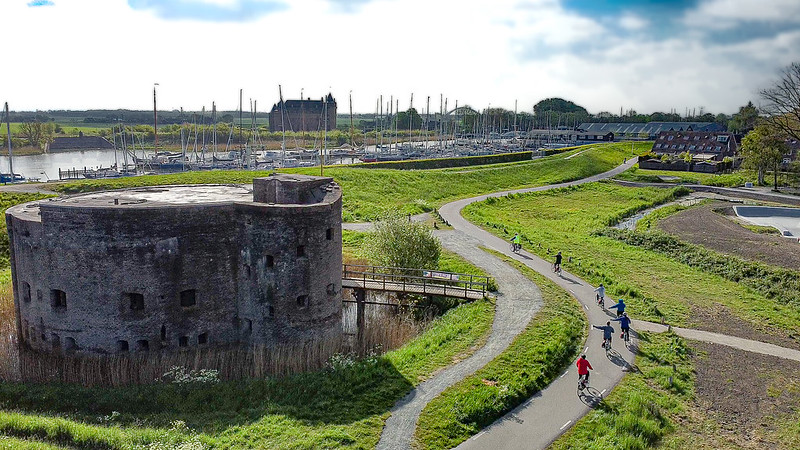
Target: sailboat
10, 177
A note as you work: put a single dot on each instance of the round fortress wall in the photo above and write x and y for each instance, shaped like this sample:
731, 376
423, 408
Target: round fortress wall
179, 267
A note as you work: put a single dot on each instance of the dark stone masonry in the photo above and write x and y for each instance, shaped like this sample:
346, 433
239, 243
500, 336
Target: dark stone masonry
161, 268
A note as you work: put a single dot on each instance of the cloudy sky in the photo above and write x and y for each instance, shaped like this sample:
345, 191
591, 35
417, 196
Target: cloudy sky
654, 55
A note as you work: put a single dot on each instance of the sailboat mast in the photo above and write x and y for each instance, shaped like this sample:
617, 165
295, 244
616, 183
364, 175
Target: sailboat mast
427, 121
324, 145
8, 137
155, 120
283, 127
352, 139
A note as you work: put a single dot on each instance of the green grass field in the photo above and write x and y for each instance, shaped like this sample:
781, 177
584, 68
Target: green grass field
738, 178
371, 193
549, 343
654, 285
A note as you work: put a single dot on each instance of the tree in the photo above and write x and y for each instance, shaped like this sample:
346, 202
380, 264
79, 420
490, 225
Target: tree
397, 242
36, 133
782, 102
763, 149
409, 120
745, 120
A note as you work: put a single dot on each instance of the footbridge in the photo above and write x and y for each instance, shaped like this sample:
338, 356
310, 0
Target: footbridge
414, 281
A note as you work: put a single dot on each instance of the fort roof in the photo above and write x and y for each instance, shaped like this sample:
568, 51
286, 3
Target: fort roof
291, 190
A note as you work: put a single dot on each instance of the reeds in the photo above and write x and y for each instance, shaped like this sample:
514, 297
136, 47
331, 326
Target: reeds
384, 330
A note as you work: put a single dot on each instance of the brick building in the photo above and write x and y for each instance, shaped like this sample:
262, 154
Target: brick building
303, 115
702, 145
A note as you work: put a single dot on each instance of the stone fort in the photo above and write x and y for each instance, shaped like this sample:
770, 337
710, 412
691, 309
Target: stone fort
172, 267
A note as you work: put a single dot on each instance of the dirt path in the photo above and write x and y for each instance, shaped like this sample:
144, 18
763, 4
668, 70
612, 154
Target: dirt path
28, 188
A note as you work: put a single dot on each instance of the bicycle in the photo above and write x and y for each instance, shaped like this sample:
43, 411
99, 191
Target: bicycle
600, 302
557, 269
606, 345
515, 248
583, 382
626, 336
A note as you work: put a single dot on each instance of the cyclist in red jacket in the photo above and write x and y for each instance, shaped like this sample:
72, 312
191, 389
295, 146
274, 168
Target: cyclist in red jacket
583, 368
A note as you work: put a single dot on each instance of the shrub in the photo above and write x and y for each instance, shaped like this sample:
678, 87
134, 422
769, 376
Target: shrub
398, 242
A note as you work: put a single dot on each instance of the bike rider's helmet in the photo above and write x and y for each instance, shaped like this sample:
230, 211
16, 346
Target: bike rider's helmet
583, 356
625, 314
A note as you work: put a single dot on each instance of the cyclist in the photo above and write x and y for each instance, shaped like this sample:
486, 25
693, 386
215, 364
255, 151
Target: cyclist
624, 324
583, 368
557, 265
601, 294
516, 245
620, 307
608, 333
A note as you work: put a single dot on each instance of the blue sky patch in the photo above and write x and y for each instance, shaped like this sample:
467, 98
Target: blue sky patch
35, 3
241, 11
616, 7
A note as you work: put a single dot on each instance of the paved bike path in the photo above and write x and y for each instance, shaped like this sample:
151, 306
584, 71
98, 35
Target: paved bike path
545, 416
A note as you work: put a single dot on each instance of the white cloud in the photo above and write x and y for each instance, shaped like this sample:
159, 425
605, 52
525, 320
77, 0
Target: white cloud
633, 22
725, 14
103, 54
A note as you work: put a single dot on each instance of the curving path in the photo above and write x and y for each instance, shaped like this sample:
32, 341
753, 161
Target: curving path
518, 300
544, 417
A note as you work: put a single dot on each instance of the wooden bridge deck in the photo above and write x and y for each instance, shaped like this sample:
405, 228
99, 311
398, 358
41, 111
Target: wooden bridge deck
412, 288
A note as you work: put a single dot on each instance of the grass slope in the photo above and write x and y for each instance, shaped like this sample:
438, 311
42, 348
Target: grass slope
343, 406
738, 178
653, 284
531, 362
370, 193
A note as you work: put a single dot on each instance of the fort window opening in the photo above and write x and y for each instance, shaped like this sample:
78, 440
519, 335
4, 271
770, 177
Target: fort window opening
247, 270
301, 250
202, 338
58, 298
248, 325
56, 341
136, 301
270, 261
329, 234
70, 345
142, 345
26, 292
122, 346
302, 301
188, 298
271, 311
183, 341
39, 295
163, 332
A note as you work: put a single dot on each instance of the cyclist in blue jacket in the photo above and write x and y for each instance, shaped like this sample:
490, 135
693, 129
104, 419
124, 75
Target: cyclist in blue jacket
624, 323
620, 306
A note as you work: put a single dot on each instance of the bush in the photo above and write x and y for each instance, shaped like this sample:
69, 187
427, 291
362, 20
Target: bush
398, 242
441, 163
